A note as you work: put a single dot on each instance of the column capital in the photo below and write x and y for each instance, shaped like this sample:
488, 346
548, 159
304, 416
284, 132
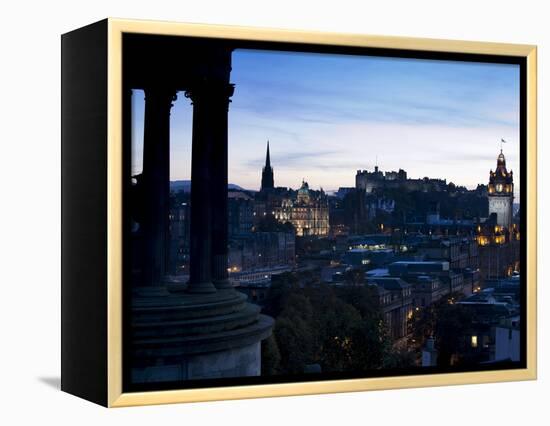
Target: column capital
207, 90
161, 97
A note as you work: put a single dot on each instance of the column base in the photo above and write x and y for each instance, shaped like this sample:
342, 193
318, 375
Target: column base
224, 284
195, 336
201, 288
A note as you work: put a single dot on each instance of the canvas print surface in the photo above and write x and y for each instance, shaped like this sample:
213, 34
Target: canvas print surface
306, 215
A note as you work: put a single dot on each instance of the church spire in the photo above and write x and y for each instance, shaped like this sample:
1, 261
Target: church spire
267, 159
267, 172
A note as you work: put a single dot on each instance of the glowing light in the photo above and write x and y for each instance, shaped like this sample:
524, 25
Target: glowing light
482, 240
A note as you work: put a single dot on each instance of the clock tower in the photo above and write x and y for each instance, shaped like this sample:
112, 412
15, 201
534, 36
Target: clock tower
501, 193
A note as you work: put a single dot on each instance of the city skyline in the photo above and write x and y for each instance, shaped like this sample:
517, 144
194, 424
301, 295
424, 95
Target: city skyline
323, 127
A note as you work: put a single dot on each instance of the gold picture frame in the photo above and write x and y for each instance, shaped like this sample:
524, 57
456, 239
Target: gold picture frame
115, 397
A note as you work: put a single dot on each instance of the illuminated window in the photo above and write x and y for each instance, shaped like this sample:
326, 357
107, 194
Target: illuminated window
482, 240
474, 341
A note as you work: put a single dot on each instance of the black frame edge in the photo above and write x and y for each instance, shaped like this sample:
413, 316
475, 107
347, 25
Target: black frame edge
84, 212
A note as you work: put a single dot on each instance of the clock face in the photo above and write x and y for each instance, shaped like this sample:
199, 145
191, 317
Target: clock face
499, 187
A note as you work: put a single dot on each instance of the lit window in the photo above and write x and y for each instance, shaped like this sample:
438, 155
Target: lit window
474, 341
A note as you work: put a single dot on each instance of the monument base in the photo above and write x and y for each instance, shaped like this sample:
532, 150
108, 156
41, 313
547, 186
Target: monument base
179, 336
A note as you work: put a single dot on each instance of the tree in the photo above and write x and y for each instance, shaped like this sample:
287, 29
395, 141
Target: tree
339, 329
282, 286
271, 357
337, 324
294, 336
448, 323
364, 298
451, 325
399, 358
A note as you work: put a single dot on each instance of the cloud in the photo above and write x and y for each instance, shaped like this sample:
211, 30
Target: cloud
292, 159
463, 155
330, 89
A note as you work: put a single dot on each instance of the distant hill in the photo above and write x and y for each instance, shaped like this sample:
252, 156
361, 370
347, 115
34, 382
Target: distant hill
234, 186
180, 185
185, 186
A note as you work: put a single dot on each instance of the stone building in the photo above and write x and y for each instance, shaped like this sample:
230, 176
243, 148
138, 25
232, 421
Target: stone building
180, 211
371, 181
240, 213
259, 250
499, 251
395, 297
460, 252
462, 256
308, 212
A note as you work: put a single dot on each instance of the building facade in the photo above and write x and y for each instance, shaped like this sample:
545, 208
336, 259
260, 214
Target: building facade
260, 250
395, 298
240, 213
308, 212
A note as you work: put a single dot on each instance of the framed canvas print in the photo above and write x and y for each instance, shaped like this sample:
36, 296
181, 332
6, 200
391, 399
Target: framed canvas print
250, 212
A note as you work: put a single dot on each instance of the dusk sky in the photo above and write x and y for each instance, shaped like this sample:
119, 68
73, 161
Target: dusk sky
326, 116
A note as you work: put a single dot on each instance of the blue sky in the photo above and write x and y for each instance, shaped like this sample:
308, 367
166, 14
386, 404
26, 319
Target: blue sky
327, 116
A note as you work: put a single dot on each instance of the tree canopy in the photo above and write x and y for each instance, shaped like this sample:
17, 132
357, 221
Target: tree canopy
340, 329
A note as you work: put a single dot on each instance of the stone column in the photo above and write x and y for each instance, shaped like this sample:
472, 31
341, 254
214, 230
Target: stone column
220, 240
156, 183
208, 181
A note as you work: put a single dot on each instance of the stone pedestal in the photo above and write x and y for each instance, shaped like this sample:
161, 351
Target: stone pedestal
180, 336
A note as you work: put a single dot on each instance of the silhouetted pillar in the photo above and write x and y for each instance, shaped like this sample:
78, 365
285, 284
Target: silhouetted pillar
220, 239
156, 183
210, 101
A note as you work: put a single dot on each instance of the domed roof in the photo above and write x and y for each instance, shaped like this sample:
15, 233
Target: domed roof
304, 189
